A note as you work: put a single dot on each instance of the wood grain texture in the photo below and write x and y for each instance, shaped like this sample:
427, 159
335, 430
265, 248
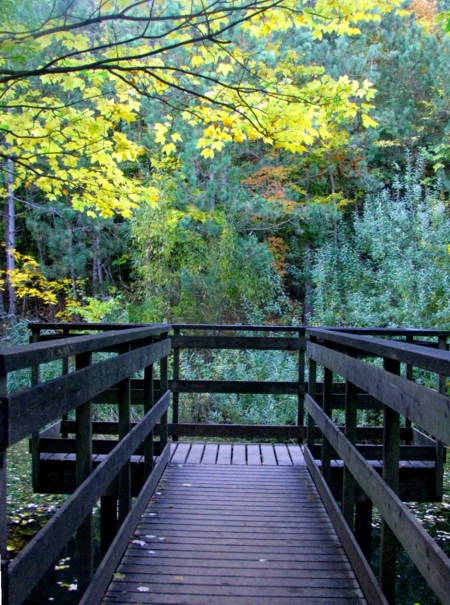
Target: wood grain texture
188, 549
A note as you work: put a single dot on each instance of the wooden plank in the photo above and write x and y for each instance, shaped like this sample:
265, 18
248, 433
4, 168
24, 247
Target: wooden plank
124, 428
23, 356
240, 328
210, 453
195, 453
239, 431
361, 567
232, 560
433, 360
423, 550
296, 455
239, 454
260, 343
85, 532
369, 452
96, 590
224, 455
351, 431
391, 457
237, 386
282, 454
268, 455
33, 561
33, 408
423, 406
253, 455
181, 453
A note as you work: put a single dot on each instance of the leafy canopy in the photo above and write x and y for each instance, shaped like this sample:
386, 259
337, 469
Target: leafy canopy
72, 75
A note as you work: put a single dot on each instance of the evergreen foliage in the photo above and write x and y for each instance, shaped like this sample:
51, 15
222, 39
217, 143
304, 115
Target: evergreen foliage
391, 267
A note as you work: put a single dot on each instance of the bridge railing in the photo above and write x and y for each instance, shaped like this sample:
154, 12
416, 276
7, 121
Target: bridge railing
339, 353
30, 410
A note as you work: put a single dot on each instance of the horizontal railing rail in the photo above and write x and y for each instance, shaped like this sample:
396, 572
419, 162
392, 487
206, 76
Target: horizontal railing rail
29, 411
341, 351
400, 396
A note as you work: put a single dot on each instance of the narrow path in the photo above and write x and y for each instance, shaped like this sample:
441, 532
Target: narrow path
224, 534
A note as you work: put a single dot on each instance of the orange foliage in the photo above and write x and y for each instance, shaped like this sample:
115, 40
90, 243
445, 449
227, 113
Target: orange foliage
426, 11
278, 249
270, 182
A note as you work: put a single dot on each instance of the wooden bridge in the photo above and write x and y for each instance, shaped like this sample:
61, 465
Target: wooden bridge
251, 514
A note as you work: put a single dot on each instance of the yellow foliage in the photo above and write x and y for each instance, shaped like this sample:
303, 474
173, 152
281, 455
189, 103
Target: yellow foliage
77, 149
30, 283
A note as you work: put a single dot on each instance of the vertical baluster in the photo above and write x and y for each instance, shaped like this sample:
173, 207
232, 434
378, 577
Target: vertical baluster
164, 386
176, 376
65, 370
351, 409
391, 454
124, 428
85, 535
439, 465
35, 437
408, 376
148, 404
301, 384
312, 391
327, 450
3, 495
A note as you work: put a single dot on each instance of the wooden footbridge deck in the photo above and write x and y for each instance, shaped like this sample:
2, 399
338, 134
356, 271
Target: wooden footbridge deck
220, 514
231, 535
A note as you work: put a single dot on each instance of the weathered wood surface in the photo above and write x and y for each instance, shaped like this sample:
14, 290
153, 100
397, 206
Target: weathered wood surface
223, 535
103, 575
29, 410
434, 360
423, 550
356, 557
237, 386
427, 408
23, 356
239, 328
260, 343
34, 560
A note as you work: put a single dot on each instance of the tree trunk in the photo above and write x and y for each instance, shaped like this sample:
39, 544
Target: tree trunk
333, 193
308, 288
10, 238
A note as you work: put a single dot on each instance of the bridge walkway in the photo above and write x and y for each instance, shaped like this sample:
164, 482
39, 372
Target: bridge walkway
244, 533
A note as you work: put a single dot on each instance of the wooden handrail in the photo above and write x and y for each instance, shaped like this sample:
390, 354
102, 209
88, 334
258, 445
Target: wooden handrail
24, 356
431, 561
434, 360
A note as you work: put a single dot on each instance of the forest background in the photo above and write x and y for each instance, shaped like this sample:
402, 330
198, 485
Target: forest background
255, 165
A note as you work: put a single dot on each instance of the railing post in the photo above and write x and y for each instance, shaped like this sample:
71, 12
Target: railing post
301, 383
391, 450
3, 498
439, 464
65, 370
35, 437
312, 391
85, 533
408, 376
176, 376
328, 409
348, 484
149, 400
164, 382
124, 429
